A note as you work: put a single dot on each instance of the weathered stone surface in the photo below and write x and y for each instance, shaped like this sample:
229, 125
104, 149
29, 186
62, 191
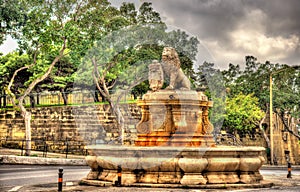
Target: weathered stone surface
107, 163
222, 177
11, 159
128, 178
170, 165
108, 175
156, 76
178, 165
143, 177
223, 164
193, 165
80, 125
93, 175
250, 164
174, 118
169, 177
193, 179
250, 177
172, 70
92, 162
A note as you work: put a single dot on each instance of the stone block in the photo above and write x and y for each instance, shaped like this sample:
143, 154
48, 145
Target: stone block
193, 179
108, 175
223, 164
91, 161
128, 178
169, 165
152, 164
222, 177
189, 165
147, 177
92, 175
169, 177
250, 177
106, 163
250, 164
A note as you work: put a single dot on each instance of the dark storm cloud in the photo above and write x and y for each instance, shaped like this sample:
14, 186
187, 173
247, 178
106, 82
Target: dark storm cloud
217, 17
283, 16
207, 18
232, 29
225, 24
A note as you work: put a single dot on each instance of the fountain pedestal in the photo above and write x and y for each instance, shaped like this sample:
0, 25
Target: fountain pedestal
174, 118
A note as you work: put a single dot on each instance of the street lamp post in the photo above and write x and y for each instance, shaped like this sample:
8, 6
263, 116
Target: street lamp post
271, 112
271, 121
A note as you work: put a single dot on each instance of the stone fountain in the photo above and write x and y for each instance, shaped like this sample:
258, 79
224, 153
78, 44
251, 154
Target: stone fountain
175, 145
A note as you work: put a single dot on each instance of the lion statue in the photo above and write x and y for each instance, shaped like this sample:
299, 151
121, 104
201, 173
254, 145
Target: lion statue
172, 70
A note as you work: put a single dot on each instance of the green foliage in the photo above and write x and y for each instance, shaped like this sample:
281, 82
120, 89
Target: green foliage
286, 90
242, 113
11, 18
255, 79
210, 80
8, 65
81, 24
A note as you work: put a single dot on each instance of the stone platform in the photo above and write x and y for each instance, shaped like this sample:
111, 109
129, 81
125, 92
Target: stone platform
186, 166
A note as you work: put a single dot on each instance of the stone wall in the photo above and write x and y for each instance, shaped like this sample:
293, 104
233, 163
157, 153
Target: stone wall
283, 140
79, 125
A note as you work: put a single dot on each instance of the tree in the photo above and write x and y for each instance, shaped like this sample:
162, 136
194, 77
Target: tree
10, 63
54, 29
242, 113
210, 80
60, 79
254, 79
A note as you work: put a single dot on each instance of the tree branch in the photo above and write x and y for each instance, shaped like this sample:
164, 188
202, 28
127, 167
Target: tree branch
96, 77
44, 76
8, 89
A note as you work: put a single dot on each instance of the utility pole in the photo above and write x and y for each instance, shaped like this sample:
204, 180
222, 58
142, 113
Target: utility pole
271, 121
271, 111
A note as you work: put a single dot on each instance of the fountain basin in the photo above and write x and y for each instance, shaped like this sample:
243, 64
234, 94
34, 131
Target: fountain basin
176, 165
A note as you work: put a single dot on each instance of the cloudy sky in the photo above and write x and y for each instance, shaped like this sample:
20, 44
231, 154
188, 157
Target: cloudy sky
232, 29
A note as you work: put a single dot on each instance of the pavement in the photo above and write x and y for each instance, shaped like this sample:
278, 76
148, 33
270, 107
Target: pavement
8, 156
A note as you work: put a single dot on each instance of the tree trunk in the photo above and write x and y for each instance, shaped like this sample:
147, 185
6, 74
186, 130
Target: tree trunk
96, 96
32, 102
38, 98
4, 101
65, 97
27, 119
264, 132
119, 117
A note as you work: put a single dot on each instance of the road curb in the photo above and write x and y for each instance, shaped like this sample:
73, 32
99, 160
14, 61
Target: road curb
294, 167
22, 160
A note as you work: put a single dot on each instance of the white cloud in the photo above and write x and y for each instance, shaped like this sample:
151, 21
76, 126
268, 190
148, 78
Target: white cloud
8, 45
250, 37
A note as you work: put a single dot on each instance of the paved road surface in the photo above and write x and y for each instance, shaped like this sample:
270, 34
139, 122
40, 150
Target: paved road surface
15, 177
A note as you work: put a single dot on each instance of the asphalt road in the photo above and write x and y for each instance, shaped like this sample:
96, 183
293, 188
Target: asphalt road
15, 177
